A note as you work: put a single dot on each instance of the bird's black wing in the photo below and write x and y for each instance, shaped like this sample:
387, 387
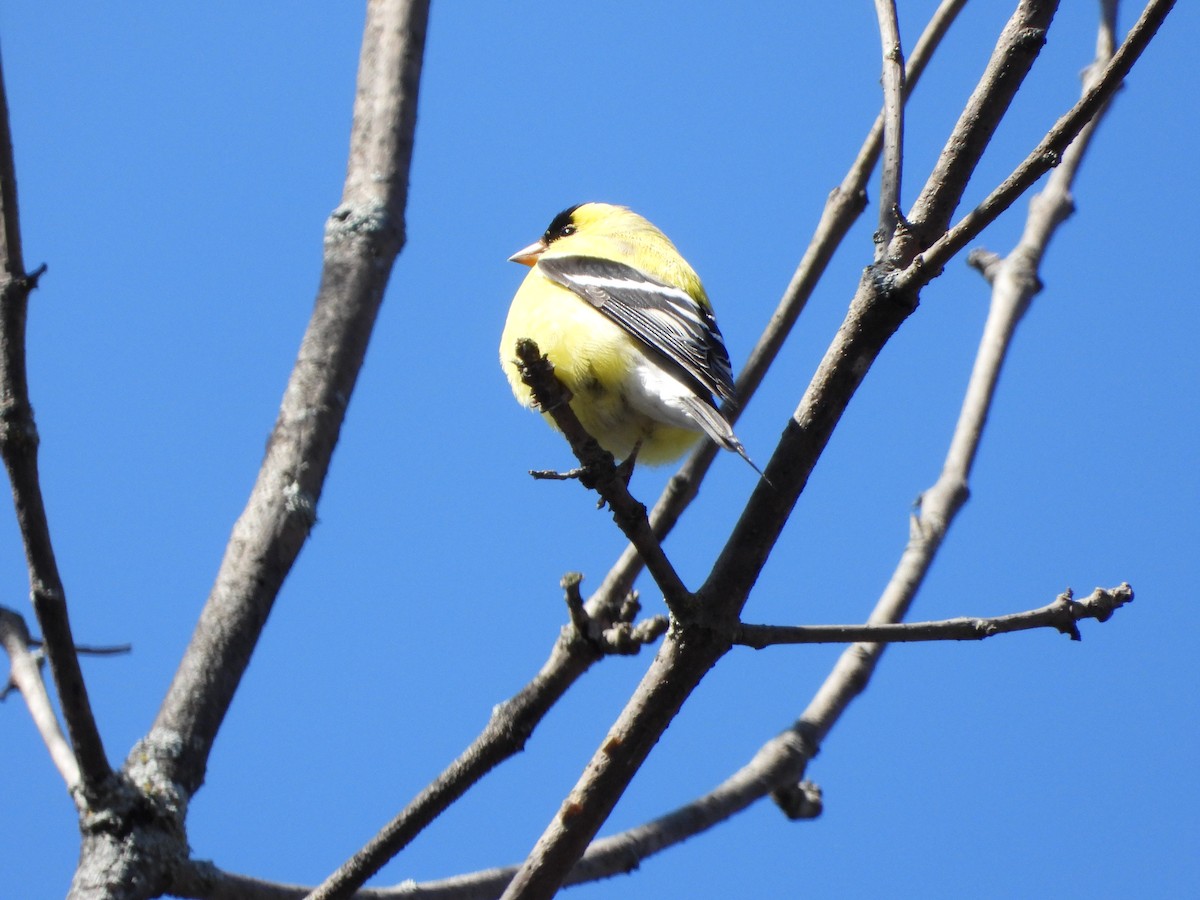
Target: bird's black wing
665, 319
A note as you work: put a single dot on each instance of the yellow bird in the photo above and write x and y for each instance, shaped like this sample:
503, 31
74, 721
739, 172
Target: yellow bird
629, 329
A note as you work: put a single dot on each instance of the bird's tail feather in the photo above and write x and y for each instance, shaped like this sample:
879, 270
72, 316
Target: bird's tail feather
716, 427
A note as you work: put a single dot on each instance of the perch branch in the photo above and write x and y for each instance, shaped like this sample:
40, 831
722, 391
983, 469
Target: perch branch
601, 474
875, 314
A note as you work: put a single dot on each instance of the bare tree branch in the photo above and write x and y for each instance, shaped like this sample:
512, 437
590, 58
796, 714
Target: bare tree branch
204, 881
875, 313
1062, 615
941, 503
779, 762
1046, 155
362, 239
678, 666
135, 843
1019, 45
27, 677
893, 126
18, 446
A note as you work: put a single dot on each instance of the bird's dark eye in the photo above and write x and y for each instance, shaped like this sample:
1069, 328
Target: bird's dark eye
562, 226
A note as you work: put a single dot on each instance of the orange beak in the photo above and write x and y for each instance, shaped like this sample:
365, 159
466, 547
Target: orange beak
528, 256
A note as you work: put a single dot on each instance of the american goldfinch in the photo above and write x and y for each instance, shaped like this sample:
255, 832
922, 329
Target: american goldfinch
629, 329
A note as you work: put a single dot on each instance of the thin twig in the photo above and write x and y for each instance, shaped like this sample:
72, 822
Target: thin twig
879, 307
39, 656
92, 649
614, 631
893, 126
1062, 614
105, 650
26, 675
18, 446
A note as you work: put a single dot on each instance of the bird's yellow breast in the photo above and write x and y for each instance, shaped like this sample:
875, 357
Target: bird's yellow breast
593, 358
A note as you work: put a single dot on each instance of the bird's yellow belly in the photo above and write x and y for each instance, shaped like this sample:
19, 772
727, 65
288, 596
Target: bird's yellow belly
594, 359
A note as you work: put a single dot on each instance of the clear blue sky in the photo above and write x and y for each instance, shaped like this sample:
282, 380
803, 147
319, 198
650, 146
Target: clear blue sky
176, 165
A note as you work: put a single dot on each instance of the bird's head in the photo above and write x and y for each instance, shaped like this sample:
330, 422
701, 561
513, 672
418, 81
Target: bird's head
577, 228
